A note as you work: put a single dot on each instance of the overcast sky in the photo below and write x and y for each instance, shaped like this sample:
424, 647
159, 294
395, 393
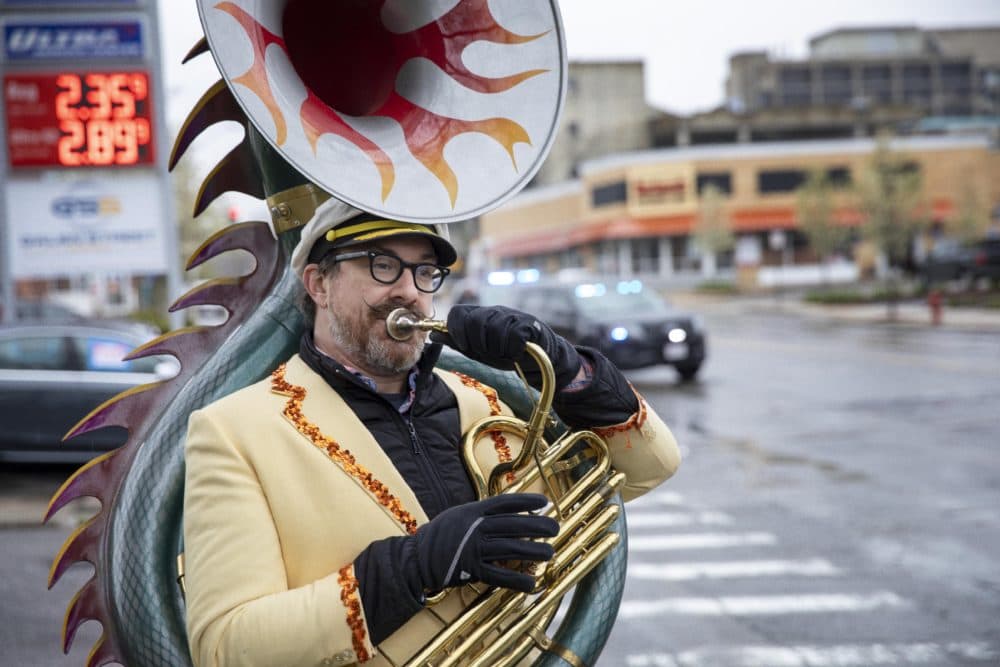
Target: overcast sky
685, 45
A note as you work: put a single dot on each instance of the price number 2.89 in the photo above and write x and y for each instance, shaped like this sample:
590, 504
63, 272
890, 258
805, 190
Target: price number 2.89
104, 119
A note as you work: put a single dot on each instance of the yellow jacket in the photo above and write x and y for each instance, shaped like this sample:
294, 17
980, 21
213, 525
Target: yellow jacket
284, 488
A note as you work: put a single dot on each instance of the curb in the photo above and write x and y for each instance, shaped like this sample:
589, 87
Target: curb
907, 313
29, 512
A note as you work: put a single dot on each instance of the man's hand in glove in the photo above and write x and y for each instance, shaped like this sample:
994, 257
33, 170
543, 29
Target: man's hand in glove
496, 336
467, 542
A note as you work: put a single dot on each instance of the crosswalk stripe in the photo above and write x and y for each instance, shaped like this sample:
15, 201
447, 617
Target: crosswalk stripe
816, 567
658, 498
841, 655
760, 605
674, 519
698, 541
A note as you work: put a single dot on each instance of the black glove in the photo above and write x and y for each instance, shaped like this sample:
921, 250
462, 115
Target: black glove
496, 336
393, 573
463, 544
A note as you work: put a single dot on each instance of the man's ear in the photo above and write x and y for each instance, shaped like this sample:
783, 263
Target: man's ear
313, 281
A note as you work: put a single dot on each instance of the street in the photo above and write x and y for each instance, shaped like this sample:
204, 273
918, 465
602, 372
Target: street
839, 501
838, 504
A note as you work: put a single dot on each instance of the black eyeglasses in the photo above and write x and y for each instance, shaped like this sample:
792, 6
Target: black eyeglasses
387, 269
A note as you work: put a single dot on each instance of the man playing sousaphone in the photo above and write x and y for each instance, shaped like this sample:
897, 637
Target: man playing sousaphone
326, 506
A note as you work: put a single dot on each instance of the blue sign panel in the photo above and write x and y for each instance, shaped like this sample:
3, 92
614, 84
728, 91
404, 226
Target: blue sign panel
73, 41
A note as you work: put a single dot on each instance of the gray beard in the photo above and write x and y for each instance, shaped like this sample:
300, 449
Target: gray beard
378, 355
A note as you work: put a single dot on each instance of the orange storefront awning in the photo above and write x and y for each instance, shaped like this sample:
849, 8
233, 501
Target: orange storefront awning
757, 219
620, 228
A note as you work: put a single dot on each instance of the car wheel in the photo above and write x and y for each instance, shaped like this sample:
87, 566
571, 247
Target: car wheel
688, 371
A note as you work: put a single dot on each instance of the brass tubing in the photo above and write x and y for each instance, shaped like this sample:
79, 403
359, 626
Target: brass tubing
490, 654
552, 454
598, 472
536, 637
586, 512
478, 634
580, 541
515, 654
539, 416
494, 604
530, 432
479, 430
564, 567
488, 604
587, 509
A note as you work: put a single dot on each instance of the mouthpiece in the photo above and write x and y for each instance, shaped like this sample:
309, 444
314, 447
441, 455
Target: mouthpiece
401, 324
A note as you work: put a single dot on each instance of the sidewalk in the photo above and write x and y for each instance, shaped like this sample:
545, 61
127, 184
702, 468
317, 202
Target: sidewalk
910, 313
24, 497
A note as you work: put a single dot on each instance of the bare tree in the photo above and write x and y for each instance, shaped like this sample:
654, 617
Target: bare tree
814, 207
713, 231
973, 216
890, 197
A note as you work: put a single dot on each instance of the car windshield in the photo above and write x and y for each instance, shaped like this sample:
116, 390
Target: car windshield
625, 300
946, 248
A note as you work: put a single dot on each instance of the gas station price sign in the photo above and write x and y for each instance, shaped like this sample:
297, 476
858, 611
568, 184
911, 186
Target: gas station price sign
78, 119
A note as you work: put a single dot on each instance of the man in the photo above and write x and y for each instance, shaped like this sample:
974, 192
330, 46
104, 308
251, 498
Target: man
326, 504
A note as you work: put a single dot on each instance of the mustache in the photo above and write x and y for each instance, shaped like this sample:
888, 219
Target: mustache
381, 310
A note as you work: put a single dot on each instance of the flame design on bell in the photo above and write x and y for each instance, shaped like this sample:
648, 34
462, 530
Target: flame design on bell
426, 132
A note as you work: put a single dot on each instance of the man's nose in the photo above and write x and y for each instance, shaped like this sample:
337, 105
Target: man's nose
406, 285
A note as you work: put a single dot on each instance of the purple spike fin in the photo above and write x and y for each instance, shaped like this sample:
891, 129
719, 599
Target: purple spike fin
119, 410
216, 105
250, 236
104, 652
85, 606
79, 547
163, 344
238, 171
196, 50
92, 480
190, 345
213, 292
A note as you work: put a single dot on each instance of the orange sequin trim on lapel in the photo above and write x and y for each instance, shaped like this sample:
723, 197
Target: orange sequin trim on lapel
499, 441
349, 596
340, 456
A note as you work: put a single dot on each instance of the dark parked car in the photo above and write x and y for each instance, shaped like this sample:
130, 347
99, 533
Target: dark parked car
984, 259
41, 311
948, 260
51, 376
627, 321
951, 259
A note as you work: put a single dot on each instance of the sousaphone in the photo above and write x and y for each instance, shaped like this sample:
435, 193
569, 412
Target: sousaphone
431, 111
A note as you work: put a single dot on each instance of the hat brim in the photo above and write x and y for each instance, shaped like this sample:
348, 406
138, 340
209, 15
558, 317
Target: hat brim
446, 254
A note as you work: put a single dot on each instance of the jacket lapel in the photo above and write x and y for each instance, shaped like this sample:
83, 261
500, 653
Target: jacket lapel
355, 450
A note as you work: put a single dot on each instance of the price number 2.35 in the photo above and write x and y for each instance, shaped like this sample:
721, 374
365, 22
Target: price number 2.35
104, 119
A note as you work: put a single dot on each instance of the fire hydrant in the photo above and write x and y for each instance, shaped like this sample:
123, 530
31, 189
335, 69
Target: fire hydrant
934, 303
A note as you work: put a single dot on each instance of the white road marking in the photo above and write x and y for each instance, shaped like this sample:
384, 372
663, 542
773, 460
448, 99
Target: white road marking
761, 605
841, 655
658, 498
674, 519
698, 541
816, 567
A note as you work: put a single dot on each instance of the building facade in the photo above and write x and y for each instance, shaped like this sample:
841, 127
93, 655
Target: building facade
605, 112
936, 72
635, 214
855, 82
